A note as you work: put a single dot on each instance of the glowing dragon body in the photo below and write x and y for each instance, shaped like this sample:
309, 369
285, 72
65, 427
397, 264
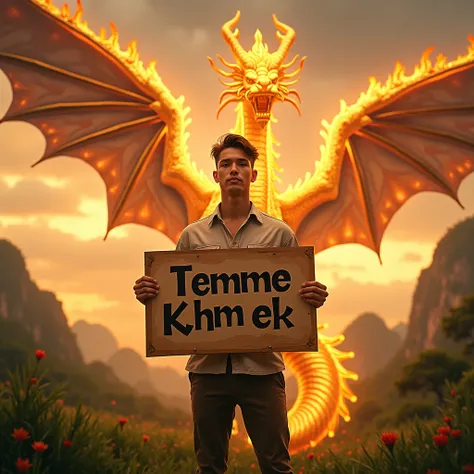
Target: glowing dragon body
99, 104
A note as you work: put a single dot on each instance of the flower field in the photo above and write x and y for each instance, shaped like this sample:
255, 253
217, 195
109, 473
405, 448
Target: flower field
38, 434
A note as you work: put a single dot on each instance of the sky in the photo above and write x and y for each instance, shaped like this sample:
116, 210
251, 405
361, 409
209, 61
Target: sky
56, 212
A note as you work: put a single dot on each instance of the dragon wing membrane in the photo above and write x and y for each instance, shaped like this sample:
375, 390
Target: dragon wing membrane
95, 102
413, 134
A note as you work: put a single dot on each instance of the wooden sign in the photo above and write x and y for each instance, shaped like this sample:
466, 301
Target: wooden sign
238, 300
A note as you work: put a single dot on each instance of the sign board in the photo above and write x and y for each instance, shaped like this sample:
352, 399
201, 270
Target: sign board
230, 301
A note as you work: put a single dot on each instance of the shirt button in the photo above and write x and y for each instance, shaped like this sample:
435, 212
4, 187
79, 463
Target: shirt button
234, 244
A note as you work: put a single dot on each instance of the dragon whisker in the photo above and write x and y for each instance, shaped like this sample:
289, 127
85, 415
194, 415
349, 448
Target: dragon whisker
220, 71
235, 67
296, 71
226, 102
293, 102
287, 65
295, 93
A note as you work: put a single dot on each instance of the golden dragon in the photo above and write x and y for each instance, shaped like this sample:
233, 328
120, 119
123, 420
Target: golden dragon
99, 103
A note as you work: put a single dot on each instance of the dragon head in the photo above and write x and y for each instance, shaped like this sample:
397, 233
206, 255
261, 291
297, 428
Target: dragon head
258, 76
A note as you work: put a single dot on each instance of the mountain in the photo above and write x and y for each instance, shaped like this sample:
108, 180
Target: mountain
38, 311
401, 329
373, 343
31, 318
441, 286
95, 341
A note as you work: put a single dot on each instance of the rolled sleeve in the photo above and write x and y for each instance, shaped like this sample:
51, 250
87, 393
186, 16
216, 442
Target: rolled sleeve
291, 240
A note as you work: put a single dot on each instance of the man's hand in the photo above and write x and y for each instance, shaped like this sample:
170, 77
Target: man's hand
314, 293
145, 288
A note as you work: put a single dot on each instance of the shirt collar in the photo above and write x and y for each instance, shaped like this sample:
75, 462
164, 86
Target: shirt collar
216, 215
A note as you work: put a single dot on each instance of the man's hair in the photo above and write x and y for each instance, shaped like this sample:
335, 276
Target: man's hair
232, 140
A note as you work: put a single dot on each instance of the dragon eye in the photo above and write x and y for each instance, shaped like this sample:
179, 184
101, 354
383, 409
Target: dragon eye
250, 80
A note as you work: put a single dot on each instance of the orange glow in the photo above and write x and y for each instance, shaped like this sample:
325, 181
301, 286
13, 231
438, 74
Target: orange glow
145, 212
400, 195
460, 169
348, 233
13, 12
23, 102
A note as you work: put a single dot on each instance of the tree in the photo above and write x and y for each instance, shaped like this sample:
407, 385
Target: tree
459, 326
430, 372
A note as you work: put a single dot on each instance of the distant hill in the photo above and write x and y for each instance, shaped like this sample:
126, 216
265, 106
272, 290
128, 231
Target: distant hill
95, 341
373, 343
401, 329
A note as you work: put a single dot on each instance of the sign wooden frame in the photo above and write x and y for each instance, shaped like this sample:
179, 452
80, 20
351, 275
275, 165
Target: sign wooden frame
299, 259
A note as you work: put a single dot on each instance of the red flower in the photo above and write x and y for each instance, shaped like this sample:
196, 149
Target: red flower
448, 420
39, 446
444, 430
20, 434
23, 464
456, 434
468, 468
452, 393
389, 439
145, 438
310, 456
433, 471
40, 354
440, 440
33, 380
67, 443
122, 421
113, 402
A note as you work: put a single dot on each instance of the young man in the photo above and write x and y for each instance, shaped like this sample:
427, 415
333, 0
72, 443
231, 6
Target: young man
254, 381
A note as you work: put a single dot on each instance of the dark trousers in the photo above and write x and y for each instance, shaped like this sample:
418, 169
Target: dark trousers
262, 400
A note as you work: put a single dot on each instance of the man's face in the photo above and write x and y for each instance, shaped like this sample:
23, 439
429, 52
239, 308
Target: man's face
234, 171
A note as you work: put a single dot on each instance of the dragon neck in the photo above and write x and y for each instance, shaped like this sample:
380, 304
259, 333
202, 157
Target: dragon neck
263, 191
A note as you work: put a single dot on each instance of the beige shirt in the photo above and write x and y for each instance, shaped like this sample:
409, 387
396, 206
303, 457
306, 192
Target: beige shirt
258, 230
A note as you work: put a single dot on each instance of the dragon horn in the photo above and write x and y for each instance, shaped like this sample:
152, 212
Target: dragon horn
232, 38
286, 40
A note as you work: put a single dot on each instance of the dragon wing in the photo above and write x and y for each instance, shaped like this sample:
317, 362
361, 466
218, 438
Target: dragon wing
96, 102
413, 134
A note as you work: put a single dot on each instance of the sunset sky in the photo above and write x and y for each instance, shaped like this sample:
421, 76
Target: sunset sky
56, 212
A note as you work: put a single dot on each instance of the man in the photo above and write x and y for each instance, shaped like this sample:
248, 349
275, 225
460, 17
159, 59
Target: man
254, 381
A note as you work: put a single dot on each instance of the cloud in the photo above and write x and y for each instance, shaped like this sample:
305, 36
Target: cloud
411, 257
33, 197
348, 298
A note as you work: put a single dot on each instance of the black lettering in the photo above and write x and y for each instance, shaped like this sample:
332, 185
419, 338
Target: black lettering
171, 319
225, 279
228, 311
180, 271
199, 280
260, 312
256, 278
281, 276
277, 316
199, 313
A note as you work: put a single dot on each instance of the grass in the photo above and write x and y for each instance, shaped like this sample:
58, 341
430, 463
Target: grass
38, 434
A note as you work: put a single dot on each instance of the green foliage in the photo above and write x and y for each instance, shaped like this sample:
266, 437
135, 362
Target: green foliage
430, 372
459, 326
366, 412
415, 409
101, 444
